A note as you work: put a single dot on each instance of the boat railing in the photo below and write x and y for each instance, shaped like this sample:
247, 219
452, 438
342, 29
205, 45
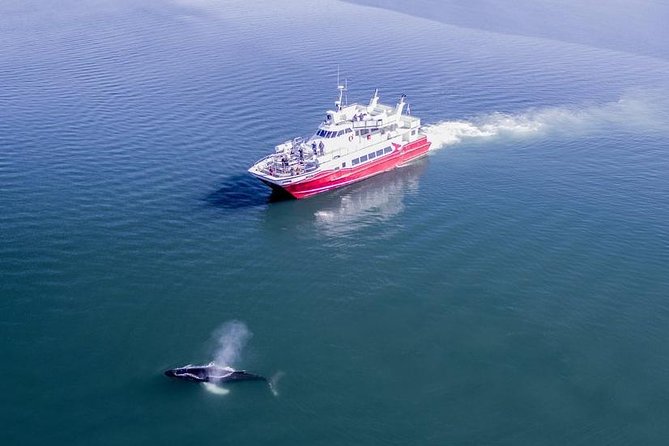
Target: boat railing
282, 166
369, 123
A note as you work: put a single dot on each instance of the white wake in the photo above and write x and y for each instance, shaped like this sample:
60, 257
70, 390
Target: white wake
631, 111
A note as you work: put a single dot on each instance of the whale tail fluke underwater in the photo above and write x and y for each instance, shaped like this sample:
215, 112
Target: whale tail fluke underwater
212, 373
273, 383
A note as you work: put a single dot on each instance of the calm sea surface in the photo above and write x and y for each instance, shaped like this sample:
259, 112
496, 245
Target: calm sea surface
512, 288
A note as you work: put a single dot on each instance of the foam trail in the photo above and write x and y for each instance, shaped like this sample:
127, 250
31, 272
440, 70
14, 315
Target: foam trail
231, 338
452, 132
631, 111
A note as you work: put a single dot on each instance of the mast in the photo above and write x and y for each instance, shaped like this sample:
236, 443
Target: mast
341, 89
400, 105
373, 101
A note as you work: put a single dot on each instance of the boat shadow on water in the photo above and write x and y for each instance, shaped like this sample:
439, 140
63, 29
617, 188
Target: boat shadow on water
243, 191
382, 194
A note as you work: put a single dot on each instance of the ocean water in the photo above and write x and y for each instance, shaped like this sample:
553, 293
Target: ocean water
510, 288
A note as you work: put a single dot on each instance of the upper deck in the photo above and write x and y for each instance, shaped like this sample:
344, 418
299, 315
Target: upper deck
370, 117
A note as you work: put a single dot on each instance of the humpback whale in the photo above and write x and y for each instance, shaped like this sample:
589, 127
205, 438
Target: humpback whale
211, 373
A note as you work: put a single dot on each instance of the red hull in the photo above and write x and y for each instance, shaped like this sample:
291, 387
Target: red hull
333, 179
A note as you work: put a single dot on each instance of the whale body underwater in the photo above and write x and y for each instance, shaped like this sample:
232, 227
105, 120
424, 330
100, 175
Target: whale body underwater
212, 373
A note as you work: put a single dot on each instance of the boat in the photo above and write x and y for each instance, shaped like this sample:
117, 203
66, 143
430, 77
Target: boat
354, 142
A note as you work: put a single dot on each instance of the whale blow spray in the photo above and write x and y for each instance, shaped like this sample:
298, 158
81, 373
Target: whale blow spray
231, 338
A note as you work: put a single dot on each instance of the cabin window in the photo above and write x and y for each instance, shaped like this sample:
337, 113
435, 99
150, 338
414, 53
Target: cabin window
372, 156
379, 152
363, 158
355, 161
343, 164
348, 130
340, 132
413, 132
387, 150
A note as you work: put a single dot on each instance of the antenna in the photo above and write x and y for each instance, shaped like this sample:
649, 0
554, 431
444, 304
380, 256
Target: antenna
346, 91
341, 89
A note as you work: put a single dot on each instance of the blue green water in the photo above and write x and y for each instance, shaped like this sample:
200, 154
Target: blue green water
510, 288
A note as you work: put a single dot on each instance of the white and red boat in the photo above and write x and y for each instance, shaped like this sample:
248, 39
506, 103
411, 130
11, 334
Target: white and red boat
353, 143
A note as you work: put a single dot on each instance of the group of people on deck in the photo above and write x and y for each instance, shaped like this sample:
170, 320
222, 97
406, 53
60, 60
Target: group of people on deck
360, 117
299, 167
318, 149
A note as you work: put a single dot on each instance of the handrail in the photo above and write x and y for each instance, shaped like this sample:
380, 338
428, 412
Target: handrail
372, 124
